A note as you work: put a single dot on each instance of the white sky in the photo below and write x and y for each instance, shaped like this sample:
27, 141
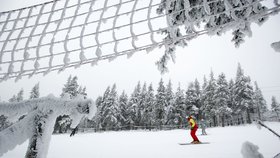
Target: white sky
256, 57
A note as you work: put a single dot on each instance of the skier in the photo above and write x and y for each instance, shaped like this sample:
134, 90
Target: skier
203, 126
193, 130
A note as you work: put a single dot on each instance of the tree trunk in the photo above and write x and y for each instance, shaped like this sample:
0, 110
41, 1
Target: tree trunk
259, 113
223, 121
214, 121
248, 116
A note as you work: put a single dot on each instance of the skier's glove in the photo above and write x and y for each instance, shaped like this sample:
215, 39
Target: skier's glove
192, 128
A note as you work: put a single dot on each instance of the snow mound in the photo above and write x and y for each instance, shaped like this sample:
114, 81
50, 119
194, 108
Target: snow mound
249, 150
276, 46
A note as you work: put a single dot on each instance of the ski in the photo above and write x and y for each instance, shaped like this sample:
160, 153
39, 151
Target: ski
193, 143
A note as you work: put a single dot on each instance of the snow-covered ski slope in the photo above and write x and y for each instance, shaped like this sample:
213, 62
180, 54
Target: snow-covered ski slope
224, 143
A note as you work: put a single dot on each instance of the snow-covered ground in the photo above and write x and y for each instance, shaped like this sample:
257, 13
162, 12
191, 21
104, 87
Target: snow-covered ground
224, 143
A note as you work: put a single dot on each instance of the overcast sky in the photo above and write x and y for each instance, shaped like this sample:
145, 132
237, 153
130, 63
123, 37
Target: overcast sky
256, 57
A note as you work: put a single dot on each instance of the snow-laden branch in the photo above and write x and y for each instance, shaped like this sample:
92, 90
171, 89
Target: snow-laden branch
210, 15
37, 125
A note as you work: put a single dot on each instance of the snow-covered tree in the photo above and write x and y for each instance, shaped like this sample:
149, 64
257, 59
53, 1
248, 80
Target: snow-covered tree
191, 100
275, 107
222, 98
98, 117
179, 107
142, 106
111, 111
259, 102
243, 94
13, 99
133, 106
198, 101
35, 92
148, 107
169, 102
160, 104
123, 105
169, 94
66, 86
82, 91
203, 97
71, 87
70, 90
209, 103
102, 106
205, 82
231, 96
18, 97
37, 125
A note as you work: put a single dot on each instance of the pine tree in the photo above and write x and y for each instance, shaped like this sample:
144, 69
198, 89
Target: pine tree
13, 99
243, 92
35, 92
222, 98
179, 107
259, 102
209, 107
20, 96
231, 93
275, 107
205, 82
103, 107
169, 103
160, 105
80, 90
148, 108
84, 93
169, 94
111, 110
142, 105
98, 116
71, 87
133, 106
191, 100
203, 97
198, 98
66, 86
123, 105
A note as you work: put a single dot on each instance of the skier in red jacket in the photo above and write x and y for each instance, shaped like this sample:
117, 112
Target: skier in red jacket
194, 128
